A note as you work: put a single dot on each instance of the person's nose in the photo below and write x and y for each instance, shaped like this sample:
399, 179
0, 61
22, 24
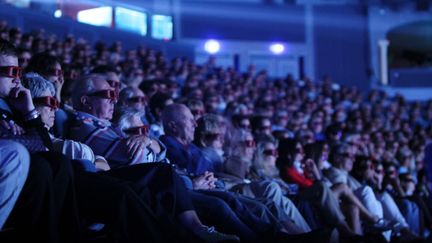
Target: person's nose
17, 81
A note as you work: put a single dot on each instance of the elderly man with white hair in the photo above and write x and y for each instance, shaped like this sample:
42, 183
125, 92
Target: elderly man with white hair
94, 100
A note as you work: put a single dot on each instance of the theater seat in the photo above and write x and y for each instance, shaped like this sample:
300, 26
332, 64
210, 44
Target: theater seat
61, 123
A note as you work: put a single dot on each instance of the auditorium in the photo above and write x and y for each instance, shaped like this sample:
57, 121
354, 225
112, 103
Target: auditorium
177, 121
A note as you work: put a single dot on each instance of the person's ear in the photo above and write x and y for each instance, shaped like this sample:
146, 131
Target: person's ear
202, 141
172, 126
84, 100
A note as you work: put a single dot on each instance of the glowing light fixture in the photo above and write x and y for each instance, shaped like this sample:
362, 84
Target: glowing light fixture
212, 46
131, 20
162, 27
101, 16
277, 48
58, 13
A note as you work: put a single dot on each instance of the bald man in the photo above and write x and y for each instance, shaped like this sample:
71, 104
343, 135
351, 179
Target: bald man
179, 124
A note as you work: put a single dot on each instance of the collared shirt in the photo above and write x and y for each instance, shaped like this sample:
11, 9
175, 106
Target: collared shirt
108, 141
336, 175
156, 130
187, 157
74, 150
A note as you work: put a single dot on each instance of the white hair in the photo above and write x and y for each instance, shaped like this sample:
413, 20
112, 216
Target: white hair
83, 86
125, 117
37, 85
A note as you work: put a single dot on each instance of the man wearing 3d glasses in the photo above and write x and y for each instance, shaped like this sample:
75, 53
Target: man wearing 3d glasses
47, 208
39, 212
94, 99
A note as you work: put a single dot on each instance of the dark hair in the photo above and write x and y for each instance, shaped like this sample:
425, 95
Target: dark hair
256, 122
103, 69
157, 102
237, 118
360, 166
146, 86
286, 151
7, 48
332, 130
314, 151
42, 63
337, 151
21, 50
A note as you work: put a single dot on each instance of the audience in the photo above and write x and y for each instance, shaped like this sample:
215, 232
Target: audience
379, 167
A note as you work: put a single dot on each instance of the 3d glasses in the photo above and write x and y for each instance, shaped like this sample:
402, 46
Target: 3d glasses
142, 130
137, 99
56, 72
11, 72
105, 94
47, 101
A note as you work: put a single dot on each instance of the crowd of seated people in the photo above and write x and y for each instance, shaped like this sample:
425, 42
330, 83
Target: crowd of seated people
140, 148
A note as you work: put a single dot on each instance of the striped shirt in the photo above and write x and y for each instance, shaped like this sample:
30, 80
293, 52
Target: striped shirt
108, 141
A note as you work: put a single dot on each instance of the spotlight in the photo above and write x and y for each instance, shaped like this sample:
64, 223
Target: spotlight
277, 49
212, 46
58, 13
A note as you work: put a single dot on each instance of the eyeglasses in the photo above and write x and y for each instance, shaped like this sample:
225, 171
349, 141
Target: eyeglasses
244, 126
23, 59
114, 84
105, 94
142, 130
369, 166
213, 136
379, 171
11, 72
271, 152
391, 172
198, 112
249, 143
299, 150
295, 125
264, 127
346, 154
137, 99
47, 101
57, 72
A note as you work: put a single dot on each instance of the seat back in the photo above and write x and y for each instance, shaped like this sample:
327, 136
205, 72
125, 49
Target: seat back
61, 123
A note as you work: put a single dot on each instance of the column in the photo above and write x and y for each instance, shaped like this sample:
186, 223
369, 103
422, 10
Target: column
383, 61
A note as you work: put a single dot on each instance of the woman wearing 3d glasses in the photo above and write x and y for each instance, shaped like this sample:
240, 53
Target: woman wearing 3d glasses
237, 177
102, 104
49, 68
43, 93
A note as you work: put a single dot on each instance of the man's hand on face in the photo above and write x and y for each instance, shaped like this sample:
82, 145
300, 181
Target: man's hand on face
20, 99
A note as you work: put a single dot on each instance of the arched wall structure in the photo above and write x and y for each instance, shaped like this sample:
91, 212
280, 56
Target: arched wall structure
380, 23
